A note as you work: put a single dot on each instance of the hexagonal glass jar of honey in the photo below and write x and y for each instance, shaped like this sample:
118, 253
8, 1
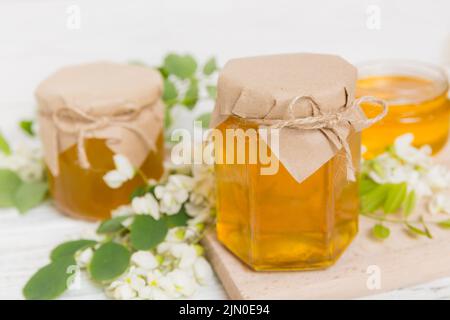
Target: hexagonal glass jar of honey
293, 206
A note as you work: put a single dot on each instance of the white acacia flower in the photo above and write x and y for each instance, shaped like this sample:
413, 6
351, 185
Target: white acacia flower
176, 234
204, 185
147, 204
195, 210
174, 193
439, 203
135, 281
144, 259
187, 254
84, 257
123, 172
122, 291
438, 177
183, 282
152, 293
202, 271
386, 169
124, 210
404, 150
26, 161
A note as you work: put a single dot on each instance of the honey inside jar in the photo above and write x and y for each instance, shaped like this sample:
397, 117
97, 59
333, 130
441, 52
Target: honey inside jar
73, 189
88, 114
418, 104
272, 222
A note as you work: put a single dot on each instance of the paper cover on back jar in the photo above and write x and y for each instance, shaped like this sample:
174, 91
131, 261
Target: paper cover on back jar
107, 108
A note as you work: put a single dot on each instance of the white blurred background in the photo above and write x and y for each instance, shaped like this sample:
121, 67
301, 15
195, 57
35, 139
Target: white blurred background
38, 36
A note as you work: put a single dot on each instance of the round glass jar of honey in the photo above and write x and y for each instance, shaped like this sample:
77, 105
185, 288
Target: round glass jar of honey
286, 130
416, 94
89, 113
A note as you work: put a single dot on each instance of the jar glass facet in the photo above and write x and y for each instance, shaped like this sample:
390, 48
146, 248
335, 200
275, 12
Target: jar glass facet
272, 222
82, 193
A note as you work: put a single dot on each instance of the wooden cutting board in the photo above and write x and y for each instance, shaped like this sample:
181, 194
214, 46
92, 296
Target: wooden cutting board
400, 261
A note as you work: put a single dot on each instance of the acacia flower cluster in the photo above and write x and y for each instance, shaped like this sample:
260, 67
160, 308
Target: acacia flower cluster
404, 163
176, 267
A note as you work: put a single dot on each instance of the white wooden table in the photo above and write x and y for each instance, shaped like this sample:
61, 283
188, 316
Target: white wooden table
35, 40
26, 240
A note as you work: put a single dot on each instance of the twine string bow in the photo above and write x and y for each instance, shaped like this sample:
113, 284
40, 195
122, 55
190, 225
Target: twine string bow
87, 123
331, 122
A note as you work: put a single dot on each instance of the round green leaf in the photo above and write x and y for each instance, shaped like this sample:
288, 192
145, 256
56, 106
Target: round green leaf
146, 232
170, 91
204, 118
210, 66
68, 249
111, 225
381, 232
9, 183
29, 195
109, 261
4, 145
181, 66
168, 119
212, 91
177, 220
191, 96
27, 127
50, 281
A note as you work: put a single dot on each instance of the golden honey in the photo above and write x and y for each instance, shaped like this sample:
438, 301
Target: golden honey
418, 104
272, 222
82, 193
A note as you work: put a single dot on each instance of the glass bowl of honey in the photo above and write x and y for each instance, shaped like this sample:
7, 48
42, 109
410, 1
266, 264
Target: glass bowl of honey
416, 94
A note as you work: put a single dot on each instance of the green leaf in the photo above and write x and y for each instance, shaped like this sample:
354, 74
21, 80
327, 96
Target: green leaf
409, 204
380, 231
27, 127
191, 96
212, 91
374, 199
9, 183
444, 224
50, 281
146, 232
182, 66
205, 118
112, 225
366, 185
177, 220
396, 195
163, 72
138, 192
68, 249
425, 232
109, 262
170, 91
4, 145
168, 119
210, 66
29, 195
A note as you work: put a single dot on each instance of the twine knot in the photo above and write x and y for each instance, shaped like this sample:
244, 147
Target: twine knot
85, 123
330, 122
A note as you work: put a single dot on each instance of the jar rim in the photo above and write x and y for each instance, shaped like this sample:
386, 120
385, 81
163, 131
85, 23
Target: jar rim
400, 67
